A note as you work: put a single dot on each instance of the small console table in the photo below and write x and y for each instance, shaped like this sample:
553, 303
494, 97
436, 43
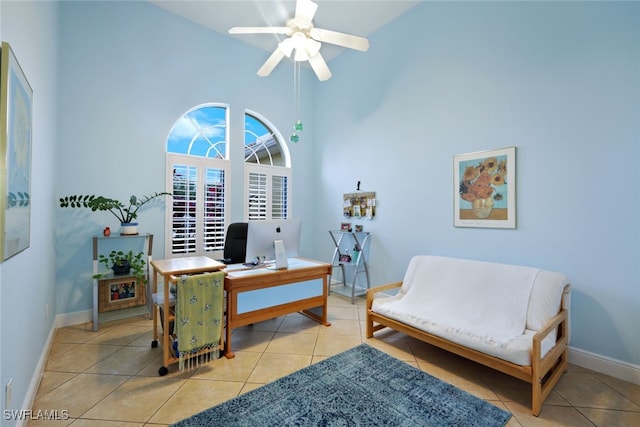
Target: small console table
350, 254
127, 284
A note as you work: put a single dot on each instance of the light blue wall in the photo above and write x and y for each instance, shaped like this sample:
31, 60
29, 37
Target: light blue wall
129, 71
26, 280
559, 80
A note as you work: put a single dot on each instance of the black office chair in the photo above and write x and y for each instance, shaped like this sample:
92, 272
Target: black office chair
235, 243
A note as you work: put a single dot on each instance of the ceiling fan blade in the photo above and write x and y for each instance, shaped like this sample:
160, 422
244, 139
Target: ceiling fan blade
271, 63
305, 10
320, 67
259, 30
340, 39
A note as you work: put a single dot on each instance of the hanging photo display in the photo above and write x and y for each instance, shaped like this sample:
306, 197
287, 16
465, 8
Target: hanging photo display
359, 205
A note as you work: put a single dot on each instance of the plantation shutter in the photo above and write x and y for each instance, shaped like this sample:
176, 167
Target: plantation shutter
279, 197
267, 192
198, 216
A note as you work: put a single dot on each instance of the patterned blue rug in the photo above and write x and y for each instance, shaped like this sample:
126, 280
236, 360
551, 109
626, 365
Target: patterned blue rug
360, 387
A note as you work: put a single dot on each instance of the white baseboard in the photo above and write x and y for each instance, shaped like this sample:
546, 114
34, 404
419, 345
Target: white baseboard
605, 365
32, 391
76, 318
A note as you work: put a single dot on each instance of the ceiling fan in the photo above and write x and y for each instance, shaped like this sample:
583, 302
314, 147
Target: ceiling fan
305, 39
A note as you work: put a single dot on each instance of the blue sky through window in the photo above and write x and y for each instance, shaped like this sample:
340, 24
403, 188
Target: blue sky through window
200, 132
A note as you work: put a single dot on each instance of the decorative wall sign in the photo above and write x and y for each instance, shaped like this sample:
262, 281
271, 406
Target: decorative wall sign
16, 112
485, 189
359, 205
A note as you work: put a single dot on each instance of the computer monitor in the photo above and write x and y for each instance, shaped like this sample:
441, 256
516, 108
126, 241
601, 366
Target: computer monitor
262, 233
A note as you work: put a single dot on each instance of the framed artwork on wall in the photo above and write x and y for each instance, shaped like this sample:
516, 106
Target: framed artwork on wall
16, 112
485, 189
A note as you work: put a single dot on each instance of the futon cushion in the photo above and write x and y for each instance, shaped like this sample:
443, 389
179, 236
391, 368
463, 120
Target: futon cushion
494, 308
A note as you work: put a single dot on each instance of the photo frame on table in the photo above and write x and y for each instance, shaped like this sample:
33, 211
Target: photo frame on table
16, 112
484, 186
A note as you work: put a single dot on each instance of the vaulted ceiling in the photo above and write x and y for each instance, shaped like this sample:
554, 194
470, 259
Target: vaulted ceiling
358, 17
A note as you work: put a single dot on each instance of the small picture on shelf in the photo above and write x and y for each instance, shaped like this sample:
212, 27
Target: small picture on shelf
345, 226
358, 228
121, 291
118, 293
345, 258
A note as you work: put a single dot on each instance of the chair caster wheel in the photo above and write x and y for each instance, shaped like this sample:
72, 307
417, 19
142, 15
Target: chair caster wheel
163, 371
154, 344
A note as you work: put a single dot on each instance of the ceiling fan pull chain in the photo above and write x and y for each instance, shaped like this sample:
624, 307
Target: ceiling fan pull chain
297, 127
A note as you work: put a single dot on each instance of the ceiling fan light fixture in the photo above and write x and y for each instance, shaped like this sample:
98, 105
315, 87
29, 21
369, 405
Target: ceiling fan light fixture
306, 39
286, 47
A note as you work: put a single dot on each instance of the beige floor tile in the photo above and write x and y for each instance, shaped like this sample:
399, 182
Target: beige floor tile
81, 358
330, 345
509, 389
464, 378
247, 339
300, 324
40, 422
337, 300
266, 352
290, 343
607, 417
271, 325
61, 347
194, 396
77, 334
126, 361
137, 400
53, 379
272, 366
250, 386
586, 390
102, 423
551, 416
121, 335
342, 327
395, 345
79, 393
145, 338
237, 369
151, 369
345, 313
629, 390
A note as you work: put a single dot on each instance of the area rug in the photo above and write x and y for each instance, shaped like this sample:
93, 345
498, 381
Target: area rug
360, 387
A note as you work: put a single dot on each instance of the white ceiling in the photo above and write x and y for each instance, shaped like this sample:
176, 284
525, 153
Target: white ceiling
358, 17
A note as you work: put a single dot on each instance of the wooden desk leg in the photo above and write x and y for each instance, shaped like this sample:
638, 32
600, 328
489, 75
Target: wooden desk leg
227, 342
154, 289
165, 325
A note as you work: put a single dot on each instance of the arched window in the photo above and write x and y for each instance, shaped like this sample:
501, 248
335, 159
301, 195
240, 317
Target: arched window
197, 171
267, 170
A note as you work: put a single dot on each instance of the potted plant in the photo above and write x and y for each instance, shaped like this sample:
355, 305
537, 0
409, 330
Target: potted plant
124, 263
126, 214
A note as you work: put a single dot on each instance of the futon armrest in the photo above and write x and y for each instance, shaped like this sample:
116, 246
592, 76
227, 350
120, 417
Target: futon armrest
372, 291
551, 325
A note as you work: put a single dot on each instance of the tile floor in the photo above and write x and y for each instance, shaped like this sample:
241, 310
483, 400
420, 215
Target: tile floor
110, 377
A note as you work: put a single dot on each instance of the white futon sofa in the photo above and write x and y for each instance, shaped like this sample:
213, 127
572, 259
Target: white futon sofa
511, 318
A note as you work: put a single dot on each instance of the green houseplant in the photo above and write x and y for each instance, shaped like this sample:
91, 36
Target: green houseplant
126, 214
124, 263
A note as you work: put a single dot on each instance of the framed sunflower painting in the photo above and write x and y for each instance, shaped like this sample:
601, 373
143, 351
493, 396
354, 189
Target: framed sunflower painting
485, 189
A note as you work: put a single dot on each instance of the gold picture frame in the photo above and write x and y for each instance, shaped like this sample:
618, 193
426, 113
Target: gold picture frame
118, 293
16, 112
485, 189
